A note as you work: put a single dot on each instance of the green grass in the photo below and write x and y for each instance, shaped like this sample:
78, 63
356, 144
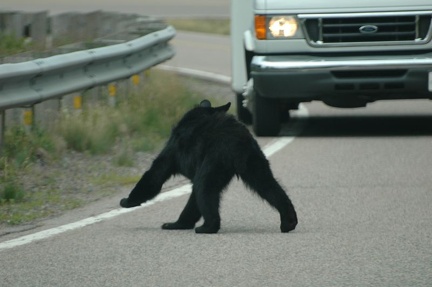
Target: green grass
91, 131
11, 193
17, 203
10, 45
124, 157
22, 147
210, 26
140, 122
36, 205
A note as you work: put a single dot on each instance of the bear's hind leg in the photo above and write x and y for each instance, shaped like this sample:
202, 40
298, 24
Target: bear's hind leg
260, 179
208, 201
189, 216
210, 181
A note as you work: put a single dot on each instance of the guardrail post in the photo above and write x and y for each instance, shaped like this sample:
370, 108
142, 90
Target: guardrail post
112, 94
78, 102
28, 118
136, 81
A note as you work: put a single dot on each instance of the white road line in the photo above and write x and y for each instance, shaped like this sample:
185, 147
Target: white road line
281, 142
182, 190
268, 150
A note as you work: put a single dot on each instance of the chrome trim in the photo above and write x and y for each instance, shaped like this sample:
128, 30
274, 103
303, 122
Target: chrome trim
321, 44
320, 36
248, 94
368, 14
260, 63
417, 26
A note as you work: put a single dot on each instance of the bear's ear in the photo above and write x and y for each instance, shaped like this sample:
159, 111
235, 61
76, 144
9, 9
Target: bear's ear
223, 108
205, 104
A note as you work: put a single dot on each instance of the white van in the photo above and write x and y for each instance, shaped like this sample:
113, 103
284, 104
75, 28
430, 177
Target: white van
343, 53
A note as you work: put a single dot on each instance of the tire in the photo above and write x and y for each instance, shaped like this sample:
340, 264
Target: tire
266, 117
243, 114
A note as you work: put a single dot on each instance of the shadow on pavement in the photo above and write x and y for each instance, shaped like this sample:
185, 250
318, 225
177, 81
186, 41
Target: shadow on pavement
359, 126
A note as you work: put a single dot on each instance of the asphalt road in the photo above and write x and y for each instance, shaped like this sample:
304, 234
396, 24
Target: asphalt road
360, 180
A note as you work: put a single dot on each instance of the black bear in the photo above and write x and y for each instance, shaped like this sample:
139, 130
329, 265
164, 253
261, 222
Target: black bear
210, 147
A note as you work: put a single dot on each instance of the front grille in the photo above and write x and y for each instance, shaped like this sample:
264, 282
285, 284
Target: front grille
371, 29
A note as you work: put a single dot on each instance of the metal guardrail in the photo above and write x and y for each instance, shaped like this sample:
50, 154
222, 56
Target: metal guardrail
32, 82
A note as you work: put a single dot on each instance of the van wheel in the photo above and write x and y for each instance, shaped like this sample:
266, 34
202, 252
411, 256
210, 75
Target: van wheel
266, 117
243, 114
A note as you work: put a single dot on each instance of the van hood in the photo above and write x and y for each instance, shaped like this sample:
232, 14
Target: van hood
339, 6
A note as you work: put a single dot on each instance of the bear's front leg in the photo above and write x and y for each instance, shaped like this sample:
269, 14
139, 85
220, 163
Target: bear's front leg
151, 182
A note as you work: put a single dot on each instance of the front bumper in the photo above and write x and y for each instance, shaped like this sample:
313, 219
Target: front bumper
307, 78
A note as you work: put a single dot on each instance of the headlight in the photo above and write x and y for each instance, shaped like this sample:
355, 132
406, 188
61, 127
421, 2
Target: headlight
275, 27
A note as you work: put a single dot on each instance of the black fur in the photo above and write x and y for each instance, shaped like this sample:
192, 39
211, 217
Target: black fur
209, 147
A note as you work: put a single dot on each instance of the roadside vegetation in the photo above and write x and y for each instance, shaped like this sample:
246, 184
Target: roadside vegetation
10, 45
36, 166
211, 26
